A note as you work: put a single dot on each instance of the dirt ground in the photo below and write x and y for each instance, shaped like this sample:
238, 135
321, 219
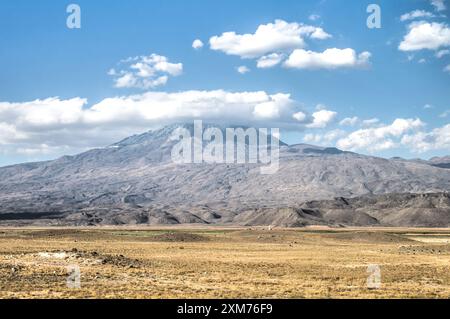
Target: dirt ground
192, 262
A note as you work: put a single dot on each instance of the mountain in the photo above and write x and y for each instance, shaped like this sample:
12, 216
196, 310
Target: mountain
135, 181
443, 162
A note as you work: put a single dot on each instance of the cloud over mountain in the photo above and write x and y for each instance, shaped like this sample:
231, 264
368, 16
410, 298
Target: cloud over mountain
58, 124
437, 139
379, 138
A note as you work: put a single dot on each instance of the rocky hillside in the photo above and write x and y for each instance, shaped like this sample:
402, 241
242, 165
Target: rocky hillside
135, 181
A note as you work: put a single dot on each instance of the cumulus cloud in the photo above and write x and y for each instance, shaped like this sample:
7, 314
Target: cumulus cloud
437, 139
379, 138
41, 114
49, 126
268, 38
401, 133
425, 35
271, 43
322, 119
318, 33
416, 14
270, 60
299, 116
272, 109
197, 44
145, 72
55, 125
243, 69
207, 105
329, 59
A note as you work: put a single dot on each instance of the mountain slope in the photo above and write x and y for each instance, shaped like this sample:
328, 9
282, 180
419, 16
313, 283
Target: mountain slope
135, 181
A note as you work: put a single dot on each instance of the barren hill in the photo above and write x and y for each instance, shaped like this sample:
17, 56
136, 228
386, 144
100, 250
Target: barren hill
135, 181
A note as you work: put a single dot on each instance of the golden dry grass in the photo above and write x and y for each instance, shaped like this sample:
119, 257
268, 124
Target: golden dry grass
224, 262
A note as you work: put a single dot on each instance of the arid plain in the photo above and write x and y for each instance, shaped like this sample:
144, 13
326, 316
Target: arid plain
219, 262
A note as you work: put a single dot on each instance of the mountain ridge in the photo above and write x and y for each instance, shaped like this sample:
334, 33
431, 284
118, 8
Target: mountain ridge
135, 181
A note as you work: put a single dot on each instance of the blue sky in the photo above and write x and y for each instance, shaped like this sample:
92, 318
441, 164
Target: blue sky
62, 90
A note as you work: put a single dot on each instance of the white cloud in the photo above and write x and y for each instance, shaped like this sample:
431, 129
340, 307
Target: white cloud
145, 72
243, 69
447, 68
329, 59
379, 138
277, 107
327, 138
424, 35
208, 105
349, 121
439, 5
197, 44
416, 14
319, 34
41, 114
53, 126
322, 118
270, 60
437, 139
125, 80
10, 134
44, 127
268, 38
427, 106
272, 42
442, 53
299, 116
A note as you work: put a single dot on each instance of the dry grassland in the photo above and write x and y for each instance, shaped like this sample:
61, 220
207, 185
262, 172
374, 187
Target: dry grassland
192, 262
